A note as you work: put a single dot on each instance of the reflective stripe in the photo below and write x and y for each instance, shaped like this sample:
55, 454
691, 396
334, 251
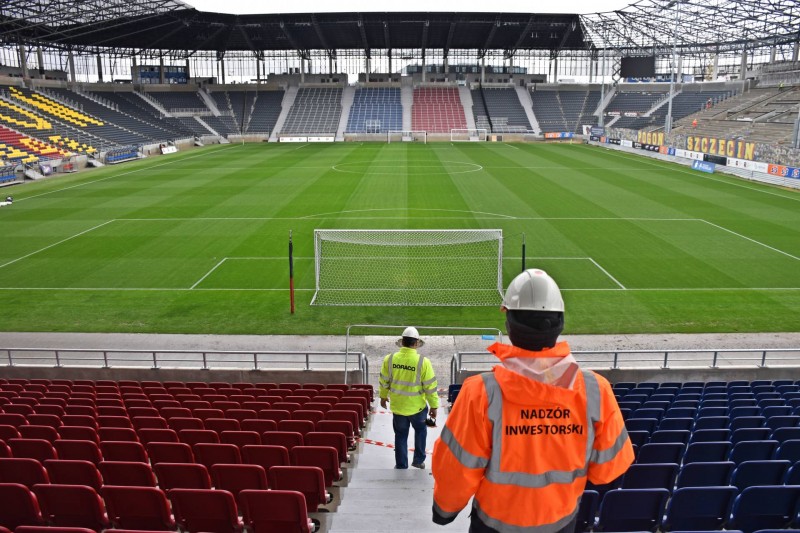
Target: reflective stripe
389, 368
428, 382
592, 409
442, 513
502, 527
603, 456
402, 392
494, 397
464, 457
405, 383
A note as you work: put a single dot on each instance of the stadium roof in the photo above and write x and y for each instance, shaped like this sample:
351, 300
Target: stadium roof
710, 25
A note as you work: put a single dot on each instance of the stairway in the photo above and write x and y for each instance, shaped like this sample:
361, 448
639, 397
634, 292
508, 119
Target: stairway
379, 498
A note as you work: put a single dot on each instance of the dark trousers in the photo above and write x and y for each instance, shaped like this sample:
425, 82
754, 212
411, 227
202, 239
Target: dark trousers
401, 426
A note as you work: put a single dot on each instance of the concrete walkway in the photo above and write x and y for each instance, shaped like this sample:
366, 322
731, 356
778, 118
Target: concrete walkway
379, 498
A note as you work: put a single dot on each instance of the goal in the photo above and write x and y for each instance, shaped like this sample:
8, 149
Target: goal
393, 136
450, 267
468, 135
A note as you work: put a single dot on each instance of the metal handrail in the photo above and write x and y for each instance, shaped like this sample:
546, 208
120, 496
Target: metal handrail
156, 359
492, 331
758, 358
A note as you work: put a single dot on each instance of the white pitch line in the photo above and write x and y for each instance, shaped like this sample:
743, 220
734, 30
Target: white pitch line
208, 273
606, 272
55, 244
787, 254
184, 289
695, 174
120, 174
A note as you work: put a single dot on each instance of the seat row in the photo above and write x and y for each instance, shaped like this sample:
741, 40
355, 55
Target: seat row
149, 508
690, 509
714, 451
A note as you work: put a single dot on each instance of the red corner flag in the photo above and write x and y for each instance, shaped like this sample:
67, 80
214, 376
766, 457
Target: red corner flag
291, 274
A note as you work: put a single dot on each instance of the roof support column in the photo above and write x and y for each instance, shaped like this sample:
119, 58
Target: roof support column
23, 61
743, 68
302, 70
715, 68
100, 68
772, 53
40, 57
71, 60
389, 56
424, 68
330, 64
366, 69
679, 72
555, 69
483, 69
161, 77
796, 52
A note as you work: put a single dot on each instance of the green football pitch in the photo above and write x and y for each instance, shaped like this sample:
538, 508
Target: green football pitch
197, 242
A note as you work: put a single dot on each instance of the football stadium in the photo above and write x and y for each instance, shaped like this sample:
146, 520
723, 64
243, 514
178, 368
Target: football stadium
217, 224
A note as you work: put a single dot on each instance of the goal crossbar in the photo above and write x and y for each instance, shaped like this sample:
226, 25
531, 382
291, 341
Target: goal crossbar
407, 136
408, 267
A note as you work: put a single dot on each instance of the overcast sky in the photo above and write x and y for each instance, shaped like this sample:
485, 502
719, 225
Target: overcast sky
326, 6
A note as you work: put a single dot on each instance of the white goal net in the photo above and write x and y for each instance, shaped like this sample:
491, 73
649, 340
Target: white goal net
468, 135
408, 267
394, 136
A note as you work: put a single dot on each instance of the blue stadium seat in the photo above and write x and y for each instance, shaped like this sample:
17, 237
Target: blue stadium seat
711, 422
765, 508
680, 436
708, 474
632, 510
710, 435
707, 452
752, 473
587, 511
641, 424
660, 453
650, 476
672, 424
760, 450
699, 508
745, 434
789, 450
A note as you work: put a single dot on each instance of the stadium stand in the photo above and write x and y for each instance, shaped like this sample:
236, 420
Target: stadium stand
437, 110
265, 111
683, 104
564, 110
315, 111
179, 101
502, 106
132, 105
375, 110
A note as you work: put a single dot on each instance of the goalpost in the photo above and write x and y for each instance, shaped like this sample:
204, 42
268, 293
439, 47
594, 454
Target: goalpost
408, 267
468, 135
407, 136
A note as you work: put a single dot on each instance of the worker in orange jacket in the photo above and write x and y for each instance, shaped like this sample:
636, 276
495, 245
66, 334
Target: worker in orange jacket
524, 438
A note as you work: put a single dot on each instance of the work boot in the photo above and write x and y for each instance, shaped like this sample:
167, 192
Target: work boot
421, 466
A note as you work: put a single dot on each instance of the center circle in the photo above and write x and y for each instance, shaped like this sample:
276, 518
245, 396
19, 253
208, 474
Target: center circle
408, 168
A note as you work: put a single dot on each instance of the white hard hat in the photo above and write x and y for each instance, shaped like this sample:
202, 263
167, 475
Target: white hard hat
533, 290
410, 332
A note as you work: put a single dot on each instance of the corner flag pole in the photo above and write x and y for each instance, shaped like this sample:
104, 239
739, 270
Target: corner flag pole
523, 252
291, 274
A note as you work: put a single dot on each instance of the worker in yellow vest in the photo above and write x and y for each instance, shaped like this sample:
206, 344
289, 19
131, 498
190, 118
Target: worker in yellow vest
408, 384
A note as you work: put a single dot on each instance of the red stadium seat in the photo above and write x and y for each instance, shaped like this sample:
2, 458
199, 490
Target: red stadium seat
333, 439
298, 426
275, 415
221, 424
197, 436
236, 478
212, 511
265, 456
22, 471
325, 457
310, 480
148, 435
47, 433
275, 511
169, 452
182, 476
78, 433
46, 420
69, 472
79, 450
127, 474
258, 425
117, 434
212, 454
19, 508
141, 508
38, 449
287, 439
149, 422
123, 451
240, 438
72, 506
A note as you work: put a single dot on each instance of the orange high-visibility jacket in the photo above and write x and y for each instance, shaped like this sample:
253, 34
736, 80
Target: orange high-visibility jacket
525, 449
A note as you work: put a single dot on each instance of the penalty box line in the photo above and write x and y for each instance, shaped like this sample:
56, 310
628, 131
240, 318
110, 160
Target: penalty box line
590, 259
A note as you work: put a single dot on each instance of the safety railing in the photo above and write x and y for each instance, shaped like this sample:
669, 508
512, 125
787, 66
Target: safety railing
642, 359
184, 359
